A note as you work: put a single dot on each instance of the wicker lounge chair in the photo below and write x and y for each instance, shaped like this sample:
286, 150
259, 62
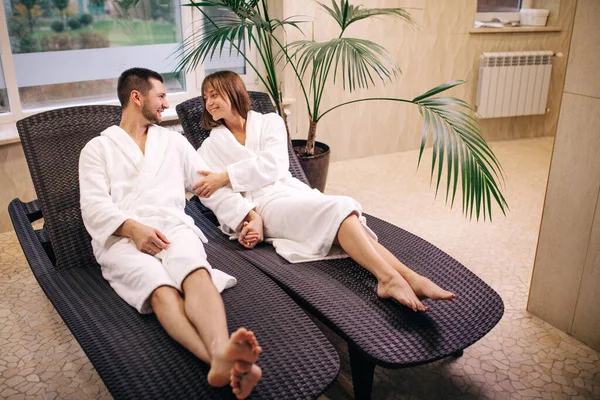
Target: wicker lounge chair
132, 353
343, 296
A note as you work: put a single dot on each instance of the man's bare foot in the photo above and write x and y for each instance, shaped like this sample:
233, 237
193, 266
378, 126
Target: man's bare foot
424, 288
398, 289
220, 370
241, 346
244, 378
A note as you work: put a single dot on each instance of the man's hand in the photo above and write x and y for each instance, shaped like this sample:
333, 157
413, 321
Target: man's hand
252, 231
146, 238
211, 182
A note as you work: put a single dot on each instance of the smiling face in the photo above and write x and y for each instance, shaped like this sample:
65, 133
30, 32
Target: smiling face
154, 102
217, 105
225, 97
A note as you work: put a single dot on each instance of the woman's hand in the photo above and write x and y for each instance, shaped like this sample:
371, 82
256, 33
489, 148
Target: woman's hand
252, 231
211, 182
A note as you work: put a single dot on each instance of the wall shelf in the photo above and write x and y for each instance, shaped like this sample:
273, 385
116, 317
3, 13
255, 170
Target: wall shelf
520, 29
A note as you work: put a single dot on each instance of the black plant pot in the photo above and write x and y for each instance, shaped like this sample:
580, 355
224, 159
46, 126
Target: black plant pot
315, 167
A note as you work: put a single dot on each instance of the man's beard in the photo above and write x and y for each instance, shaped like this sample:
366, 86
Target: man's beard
150, 115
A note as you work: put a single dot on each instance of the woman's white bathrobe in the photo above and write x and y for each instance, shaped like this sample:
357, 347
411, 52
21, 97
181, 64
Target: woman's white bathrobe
301, 222
118, 182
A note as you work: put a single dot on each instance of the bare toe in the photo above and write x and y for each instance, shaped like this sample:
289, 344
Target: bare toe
399, 290
425, 288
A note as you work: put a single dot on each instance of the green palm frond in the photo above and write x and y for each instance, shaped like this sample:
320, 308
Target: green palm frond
230, 4
290, 21
357, 60
245, 12
244, 21
127, 3
219, 31
459, 147
237, 6
201, 45
345, 13
458, 150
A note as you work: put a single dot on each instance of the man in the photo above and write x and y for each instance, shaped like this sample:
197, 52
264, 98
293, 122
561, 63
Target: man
132, 181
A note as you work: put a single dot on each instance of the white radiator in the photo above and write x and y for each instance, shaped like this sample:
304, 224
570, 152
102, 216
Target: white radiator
512, 84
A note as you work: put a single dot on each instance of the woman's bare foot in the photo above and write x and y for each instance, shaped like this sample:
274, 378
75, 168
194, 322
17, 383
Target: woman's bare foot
424, 288
241, 346
244, 378
398, 289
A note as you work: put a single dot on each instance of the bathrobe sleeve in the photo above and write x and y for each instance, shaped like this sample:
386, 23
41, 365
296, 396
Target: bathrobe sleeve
229, 207
101, 216
270, 163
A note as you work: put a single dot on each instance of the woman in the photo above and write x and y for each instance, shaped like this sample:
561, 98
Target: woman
248, 151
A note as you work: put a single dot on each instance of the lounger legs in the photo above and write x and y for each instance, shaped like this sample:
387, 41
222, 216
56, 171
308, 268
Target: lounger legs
458, 353
362, 374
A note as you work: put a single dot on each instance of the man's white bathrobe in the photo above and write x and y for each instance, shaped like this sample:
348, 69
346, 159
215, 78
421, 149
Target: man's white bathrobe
118, 182
300, 222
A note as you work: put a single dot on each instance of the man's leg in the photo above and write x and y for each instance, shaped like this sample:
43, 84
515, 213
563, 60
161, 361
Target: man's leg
130, 272
353, 238
422, 286
168, 306
205, 310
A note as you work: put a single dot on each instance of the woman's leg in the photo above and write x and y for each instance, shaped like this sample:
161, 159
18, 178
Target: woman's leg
422, 286
353, 238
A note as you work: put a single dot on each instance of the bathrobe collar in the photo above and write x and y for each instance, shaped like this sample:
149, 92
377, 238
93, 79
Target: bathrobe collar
147, 164
230, 149
156, 147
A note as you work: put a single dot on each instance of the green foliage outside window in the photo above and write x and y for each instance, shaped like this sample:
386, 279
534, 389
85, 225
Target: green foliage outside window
74, 24
61, 5
86, 19
58, 26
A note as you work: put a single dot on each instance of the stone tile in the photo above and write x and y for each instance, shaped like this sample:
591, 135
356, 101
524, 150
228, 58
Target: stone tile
537, 360
523, 357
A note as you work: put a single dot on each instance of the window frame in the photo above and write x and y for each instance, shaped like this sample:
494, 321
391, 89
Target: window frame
504, 16
191, 20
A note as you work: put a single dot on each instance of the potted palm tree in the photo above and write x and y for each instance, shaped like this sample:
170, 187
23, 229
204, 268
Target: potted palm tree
460, 153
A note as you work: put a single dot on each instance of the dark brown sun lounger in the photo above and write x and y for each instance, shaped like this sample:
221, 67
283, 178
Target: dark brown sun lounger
342, 295
134, 356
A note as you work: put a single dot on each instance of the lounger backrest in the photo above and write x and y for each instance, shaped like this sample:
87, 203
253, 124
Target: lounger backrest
190, 111
52, 142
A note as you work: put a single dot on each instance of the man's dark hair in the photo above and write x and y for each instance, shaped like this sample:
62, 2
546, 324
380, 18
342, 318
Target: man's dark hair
135, 79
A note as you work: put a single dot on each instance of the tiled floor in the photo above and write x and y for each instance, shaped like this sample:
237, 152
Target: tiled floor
522, 358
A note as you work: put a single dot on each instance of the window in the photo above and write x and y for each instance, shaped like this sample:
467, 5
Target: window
4, 106
498, 5
71, 52
229, 58
498, 10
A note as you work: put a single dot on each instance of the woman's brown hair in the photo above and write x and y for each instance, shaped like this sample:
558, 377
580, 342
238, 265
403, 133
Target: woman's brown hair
230, 86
